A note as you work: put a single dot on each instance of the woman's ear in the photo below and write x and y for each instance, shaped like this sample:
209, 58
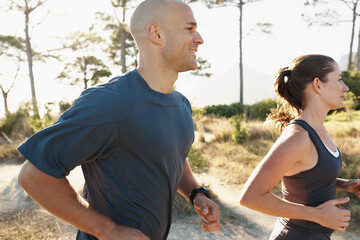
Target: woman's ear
154, 34
317, 85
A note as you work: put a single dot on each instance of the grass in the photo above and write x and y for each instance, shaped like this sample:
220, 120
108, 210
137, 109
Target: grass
234, 163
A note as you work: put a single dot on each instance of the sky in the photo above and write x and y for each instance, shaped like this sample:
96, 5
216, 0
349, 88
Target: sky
219, 27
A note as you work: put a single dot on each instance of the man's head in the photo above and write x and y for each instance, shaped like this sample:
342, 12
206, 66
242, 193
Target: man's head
166, 29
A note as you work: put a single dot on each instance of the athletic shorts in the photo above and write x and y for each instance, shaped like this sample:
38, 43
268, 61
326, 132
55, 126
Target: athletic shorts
288, 232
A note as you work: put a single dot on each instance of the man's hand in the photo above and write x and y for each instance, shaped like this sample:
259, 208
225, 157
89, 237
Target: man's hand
352, 185
121, 232
209, 211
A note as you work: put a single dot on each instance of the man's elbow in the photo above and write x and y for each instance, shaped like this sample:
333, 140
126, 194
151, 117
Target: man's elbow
24, 177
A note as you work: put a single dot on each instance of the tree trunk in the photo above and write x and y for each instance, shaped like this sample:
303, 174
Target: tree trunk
240, 59
358, 53
30, 63
5, 95
123, 49
352, 36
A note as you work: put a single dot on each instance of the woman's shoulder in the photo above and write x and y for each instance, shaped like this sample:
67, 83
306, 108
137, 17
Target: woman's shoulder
295, 137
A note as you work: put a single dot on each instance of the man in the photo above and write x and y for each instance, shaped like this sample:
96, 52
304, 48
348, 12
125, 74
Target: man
131, 137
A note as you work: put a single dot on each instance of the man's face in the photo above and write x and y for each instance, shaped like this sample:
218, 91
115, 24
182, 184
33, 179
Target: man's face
181, 39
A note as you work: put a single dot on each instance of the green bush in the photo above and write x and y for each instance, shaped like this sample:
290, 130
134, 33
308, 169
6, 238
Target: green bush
225, 110
260, 110
352, 80
196, 160
198, 112
63, 106
12, 122
241, 133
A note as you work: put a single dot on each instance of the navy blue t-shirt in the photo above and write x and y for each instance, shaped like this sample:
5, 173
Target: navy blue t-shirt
131, 142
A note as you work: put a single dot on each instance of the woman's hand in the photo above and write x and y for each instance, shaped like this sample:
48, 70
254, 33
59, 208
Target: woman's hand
332, 216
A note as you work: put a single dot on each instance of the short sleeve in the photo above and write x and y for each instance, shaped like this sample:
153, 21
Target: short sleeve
86, 132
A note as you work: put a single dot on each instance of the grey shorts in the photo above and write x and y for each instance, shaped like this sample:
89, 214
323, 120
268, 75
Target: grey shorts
291, 232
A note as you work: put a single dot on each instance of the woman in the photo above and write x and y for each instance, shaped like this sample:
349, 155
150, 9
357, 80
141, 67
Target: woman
304, 157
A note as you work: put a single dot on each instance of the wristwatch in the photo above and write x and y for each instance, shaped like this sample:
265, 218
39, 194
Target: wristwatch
203, 190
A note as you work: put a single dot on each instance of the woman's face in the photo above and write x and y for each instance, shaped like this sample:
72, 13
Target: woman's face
334, 89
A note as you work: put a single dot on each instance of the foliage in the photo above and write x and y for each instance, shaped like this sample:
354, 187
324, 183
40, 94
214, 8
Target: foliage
38, 123
12, 122
121, 47
260, 110
352, 80
197, 111
241, 133
343, 116
63, 106
84, 68
203, 65
7, 42
225, 110
196, 160
350, 101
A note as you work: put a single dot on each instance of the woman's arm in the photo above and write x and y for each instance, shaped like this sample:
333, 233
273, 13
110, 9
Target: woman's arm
286, 155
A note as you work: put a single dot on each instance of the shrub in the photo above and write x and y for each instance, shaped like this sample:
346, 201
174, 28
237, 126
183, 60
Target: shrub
260, 110
63, 106
196, 160
16, 126
225, 110
241, 132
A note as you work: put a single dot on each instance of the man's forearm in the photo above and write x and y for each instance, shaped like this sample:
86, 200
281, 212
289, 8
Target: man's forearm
187, 181
340, 183
60, 198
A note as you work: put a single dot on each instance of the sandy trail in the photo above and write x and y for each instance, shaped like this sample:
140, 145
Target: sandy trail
244, 224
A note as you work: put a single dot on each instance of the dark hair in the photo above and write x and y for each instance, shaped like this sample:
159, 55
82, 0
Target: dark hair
290, 83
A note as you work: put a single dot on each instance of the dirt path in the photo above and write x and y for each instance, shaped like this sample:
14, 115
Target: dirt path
18, 214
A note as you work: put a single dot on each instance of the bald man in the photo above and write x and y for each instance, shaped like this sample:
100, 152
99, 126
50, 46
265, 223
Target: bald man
131, 137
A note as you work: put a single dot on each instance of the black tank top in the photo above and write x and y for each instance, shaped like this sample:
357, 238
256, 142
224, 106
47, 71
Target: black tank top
314, 186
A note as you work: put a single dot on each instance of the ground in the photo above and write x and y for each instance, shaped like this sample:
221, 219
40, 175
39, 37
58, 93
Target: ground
22, 219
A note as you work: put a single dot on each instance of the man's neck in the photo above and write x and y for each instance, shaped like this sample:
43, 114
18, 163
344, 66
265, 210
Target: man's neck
157, 79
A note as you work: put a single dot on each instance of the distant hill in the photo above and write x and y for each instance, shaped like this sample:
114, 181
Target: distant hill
224, 88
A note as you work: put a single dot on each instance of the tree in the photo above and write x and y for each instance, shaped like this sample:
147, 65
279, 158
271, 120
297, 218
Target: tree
11, 51
239, 4
330, 17
27, 7
83, 68
121, 48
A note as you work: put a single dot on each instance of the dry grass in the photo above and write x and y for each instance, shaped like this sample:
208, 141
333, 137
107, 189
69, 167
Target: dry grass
234, 163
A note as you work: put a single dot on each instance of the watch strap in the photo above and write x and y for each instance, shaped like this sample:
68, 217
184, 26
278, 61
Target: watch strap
195, 191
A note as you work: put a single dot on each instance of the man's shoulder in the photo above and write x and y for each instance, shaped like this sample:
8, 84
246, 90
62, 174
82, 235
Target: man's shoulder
109, 102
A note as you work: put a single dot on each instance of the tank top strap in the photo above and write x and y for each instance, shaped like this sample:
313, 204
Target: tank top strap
313, 135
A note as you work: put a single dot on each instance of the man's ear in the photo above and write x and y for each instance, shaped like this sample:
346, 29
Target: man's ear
154, 34
317, 86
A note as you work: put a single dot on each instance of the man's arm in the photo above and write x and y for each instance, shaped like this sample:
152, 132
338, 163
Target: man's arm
205, 207
58, 197
349, 185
